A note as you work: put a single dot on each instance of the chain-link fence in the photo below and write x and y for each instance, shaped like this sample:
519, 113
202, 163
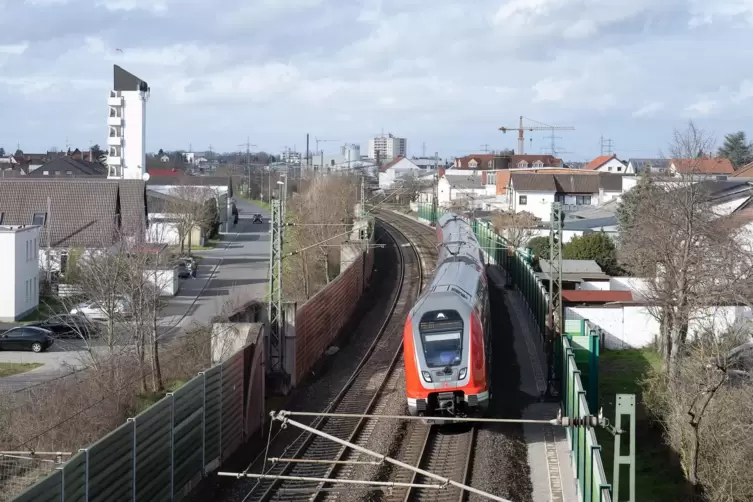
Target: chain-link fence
21, 469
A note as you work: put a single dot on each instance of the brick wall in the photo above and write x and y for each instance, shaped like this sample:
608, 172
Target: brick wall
319, 320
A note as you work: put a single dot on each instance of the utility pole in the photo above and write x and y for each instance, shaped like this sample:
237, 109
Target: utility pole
275, 317
435, 195
607, 146
485, 148
363, 195
556, 311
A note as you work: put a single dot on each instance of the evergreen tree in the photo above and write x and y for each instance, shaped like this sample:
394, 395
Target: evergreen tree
631, 200
2, 151
737, 149
597, 246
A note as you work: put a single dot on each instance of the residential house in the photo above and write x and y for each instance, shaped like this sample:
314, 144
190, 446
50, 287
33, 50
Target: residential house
702, 167
400, 167
502, 180
70, 167
19, 289
165, 221
608, 164
652, 166
218, 187
84, 214
536, 161
535, 192
464, 189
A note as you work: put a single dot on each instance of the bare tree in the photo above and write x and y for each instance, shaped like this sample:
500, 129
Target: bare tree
673, 237
517, 228
190, 208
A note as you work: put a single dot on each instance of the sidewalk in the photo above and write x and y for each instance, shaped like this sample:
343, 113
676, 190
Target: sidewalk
552, 476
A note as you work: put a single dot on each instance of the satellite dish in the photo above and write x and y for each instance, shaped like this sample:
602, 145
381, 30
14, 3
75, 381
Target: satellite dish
145, 176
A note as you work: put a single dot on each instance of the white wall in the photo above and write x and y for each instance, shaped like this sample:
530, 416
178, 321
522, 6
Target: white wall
538, 203
633, 326
613, 166
19, 289
162, 232
166, 280
134, 135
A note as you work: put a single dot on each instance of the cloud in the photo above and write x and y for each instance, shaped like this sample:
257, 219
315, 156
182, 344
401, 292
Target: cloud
649, 110
446, 73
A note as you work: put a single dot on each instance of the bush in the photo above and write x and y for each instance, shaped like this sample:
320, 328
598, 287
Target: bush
597, 246
540, 247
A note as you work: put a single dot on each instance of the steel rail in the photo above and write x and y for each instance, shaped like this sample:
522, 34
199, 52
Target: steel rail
351, 397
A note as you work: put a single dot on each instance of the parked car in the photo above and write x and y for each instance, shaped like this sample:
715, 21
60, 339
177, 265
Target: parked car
257, 219
95, 310
183, 272
26, 338
69, 326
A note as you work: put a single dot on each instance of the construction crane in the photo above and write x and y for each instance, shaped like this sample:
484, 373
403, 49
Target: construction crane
542, 127
317, 140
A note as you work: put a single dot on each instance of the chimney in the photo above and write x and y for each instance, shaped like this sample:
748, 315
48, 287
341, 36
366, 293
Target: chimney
441, 171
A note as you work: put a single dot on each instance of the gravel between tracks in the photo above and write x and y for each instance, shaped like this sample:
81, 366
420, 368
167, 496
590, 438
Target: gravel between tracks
322, 387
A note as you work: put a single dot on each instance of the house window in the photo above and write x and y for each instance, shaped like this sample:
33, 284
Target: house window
39, 219
45, 173
583, 200
491, 164
619, 168
473, 164
69, 173
538, 163
63, 262
609, 168
522, 164
559, 197
522, 200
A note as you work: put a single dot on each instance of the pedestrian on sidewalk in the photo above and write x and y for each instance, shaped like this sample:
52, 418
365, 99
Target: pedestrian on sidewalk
193, 270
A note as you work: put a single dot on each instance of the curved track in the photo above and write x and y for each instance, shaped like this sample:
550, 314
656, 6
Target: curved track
360, 395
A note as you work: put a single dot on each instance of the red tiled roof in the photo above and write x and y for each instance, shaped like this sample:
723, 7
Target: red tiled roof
598, 162
547, 160
596, 296
704, 165
482, 159
745, 171
162, 171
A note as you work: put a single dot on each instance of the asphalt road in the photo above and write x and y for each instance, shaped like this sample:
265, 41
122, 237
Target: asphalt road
229, 275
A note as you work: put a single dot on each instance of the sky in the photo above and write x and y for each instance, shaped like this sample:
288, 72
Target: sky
444, 74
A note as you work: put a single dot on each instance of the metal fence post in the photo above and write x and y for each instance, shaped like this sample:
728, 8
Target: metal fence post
204, 425
222, 409
133, 459
172, 445
62, 483
86, 473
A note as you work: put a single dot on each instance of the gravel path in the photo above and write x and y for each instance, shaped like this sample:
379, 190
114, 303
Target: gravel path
500, 463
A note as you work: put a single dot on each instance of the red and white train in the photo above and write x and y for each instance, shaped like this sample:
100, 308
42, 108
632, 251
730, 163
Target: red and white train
446, 338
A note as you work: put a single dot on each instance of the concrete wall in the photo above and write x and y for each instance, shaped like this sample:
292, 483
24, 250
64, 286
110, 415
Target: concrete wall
633, 326
165, 279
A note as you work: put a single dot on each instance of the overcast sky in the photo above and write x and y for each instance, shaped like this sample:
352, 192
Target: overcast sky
446, 73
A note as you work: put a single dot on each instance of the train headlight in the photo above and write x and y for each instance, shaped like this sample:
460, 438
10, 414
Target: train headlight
462, 373
427, 376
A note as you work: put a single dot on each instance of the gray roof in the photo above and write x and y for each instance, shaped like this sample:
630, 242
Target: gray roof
574, 266
590, 223
192, 181
82, 211
641, 165
125, 81
464, 181
64, 165
566, 183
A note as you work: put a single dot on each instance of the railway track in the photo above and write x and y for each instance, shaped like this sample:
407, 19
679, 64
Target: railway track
360, 395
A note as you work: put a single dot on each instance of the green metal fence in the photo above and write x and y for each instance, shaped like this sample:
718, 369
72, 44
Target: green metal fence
585, 450
576, 356
161, 453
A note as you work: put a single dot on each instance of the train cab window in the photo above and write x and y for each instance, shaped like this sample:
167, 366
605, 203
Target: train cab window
442, 338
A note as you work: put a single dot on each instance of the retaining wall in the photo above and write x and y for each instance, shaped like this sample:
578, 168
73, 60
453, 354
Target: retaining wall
319, 321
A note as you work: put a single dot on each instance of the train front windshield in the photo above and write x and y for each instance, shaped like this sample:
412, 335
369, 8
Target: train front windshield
442, 338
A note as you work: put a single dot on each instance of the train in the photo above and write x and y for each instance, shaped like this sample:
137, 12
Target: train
446, 338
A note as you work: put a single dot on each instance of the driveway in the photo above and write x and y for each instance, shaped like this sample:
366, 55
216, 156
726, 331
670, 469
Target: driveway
231, 274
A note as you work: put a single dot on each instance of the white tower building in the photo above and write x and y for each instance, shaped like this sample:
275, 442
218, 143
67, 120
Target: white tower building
126, 141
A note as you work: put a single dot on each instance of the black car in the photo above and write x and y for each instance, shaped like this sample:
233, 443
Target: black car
26, 338
257, 219
183, 272
68, 326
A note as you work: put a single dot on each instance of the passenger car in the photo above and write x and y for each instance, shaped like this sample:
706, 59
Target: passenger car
68, 326
26, 338
95, 310
257, 219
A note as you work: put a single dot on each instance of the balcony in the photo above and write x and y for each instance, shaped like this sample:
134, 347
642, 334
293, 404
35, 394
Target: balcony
115, 101
115, 141
115, 121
